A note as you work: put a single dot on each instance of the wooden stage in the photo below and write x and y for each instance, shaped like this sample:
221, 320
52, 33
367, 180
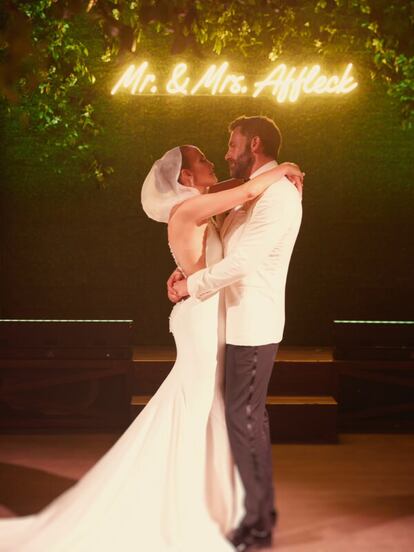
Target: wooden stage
311, 397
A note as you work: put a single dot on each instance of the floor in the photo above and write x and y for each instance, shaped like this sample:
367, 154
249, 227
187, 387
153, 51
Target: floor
357, 496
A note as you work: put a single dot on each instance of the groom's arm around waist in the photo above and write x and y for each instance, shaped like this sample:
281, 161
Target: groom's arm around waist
272, 217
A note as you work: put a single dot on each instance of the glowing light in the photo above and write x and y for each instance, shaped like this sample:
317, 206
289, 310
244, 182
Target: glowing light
56, 320
286, 85
215, 78
145, 81
283, 82
374, 322
174, 86
134, 78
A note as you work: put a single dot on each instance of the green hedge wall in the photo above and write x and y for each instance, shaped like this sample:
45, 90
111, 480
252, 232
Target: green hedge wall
72, 249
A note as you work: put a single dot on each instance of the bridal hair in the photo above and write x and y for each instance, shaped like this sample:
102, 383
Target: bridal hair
264, 128
185, 156
185, 159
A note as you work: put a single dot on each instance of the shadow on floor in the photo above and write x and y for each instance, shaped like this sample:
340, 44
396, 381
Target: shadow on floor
25, 490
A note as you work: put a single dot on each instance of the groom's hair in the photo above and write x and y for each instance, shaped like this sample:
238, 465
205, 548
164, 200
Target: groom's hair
264, 128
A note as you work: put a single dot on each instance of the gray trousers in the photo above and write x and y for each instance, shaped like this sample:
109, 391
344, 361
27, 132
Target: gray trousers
247, 374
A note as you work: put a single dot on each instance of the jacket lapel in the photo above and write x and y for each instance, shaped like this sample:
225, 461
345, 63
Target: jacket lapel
227, 223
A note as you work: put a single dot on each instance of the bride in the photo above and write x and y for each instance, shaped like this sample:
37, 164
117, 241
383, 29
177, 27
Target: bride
169, 483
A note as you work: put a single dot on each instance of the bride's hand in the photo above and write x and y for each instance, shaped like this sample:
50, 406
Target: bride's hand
181, 289
176, 276
294, 174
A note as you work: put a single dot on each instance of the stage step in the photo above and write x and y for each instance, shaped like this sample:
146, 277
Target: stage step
288, 377
301, 419
292, 418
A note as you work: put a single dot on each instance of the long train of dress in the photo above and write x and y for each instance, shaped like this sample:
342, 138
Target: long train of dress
169, 483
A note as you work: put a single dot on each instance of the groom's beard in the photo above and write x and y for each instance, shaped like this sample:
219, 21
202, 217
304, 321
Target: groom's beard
242, 166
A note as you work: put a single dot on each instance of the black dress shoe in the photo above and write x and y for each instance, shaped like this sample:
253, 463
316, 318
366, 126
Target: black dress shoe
239, 535
246, 538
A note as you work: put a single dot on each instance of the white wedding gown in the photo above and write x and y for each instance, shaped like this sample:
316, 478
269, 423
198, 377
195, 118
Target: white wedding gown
169, 483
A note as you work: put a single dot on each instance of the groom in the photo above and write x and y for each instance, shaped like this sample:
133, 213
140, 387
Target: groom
258, 240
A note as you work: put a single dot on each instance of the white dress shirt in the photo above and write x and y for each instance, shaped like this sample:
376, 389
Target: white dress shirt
258, 242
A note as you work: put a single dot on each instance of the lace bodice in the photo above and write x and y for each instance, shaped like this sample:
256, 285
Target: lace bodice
175, 259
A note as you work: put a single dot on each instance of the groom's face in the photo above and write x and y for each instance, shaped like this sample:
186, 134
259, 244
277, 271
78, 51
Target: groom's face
239, 155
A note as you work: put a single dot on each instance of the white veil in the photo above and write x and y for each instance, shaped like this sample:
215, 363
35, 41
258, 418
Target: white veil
161, 189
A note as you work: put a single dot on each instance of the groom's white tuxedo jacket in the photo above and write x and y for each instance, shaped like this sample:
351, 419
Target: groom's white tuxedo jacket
258, 243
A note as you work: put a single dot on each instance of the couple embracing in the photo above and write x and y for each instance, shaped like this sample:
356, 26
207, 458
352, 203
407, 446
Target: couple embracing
193, 472
229, 288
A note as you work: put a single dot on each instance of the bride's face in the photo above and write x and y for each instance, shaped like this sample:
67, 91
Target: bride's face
200, 170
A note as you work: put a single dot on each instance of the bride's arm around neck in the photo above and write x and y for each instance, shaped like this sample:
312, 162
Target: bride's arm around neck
200, 208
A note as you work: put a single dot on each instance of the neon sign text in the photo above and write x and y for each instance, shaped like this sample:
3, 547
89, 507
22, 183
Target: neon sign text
283, 82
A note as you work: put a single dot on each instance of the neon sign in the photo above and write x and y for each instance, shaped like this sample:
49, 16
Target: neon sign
283, 82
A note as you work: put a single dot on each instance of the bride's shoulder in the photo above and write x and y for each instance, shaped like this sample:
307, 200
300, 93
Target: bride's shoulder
179, 213
182, 210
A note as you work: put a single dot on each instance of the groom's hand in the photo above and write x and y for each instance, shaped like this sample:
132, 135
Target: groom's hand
181, 289
176, 276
